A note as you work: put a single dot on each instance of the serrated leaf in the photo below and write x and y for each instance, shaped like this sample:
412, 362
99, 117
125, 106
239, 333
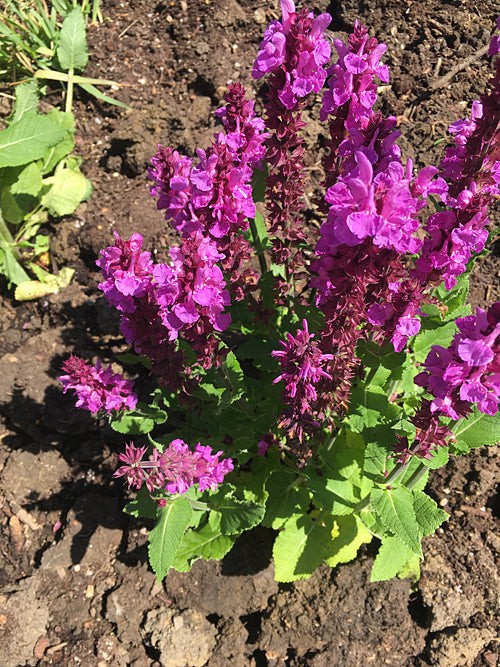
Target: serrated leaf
435, 334
429, 515
71, 49
142, 505
236, 515
337, 487
395, 510
301, 546
207, 542
67, 189
477, 429
166, 536
349, 534
439, 458
142, 420
369, 406
27, 139
285, 498
393, 557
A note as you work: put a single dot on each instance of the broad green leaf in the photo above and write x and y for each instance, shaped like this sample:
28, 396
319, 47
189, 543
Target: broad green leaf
28, 182
393, 557
429, 515
67, 189
54, 155
435, 334
139, 421
12, 212
27, 139
337, 487
368, 405
26, 100
348, 534
302, 546
166, 536
236, 515
379, 457
285, 498
208, 543
72, 45
395, 510
142, 505
477, 430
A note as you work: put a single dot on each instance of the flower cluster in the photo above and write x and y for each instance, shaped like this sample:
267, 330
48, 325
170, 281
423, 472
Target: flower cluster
472, 170
302, 364
214, 197
174, 470
292, 54
302, 35
160, 301
97, 388
468, 371
429, 436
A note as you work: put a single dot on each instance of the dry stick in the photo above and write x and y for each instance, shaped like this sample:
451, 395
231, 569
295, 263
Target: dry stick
454, 70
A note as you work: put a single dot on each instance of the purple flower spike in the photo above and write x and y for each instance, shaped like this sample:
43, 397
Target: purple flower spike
175, 470
469, 370
97, 388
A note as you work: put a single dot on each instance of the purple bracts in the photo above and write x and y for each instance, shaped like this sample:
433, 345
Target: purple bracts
97, 388
175, 470
468, 371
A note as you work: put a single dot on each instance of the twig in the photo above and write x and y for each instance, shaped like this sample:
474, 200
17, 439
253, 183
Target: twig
459, 67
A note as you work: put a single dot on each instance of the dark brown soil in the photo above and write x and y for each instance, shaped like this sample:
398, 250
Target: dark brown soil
75, 585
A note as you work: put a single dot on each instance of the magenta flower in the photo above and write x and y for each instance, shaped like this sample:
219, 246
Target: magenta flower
97, 388
468, 371
175, 470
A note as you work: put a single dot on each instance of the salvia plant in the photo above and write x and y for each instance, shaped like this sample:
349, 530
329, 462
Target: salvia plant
306, 383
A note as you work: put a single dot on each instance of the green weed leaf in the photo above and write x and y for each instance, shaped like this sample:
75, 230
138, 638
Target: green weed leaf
27, 139
429, 515
166, 536
71, 49
393, 557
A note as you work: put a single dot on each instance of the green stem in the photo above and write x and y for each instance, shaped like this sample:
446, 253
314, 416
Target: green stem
8, 240
69, 91
258, 246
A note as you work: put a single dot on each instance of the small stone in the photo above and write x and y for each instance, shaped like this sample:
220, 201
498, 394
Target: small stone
259, 16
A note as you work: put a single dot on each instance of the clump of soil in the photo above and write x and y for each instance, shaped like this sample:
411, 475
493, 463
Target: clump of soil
75, 584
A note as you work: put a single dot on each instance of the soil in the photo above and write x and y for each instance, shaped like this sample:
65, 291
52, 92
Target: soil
75, 585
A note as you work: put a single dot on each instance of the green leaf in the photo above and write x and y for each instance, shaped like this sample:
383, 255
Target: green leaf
139, 421
302, 546
236, 515
337, 487
368, 406
10, 267
67, 189
28, 182
26, 100
142, 506
53, 156
34, 289
395, 510
439, 458
349, 533
72, 46
27, 139
92, 90
435, 333
166, 536
259, 186
393, 557
476, 430
285, 498
429, 515
208, 542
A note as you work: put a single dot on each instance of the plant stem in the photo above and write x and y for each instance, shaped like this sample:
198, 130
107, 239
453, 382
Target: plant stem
8, 240
69, 91
258, 246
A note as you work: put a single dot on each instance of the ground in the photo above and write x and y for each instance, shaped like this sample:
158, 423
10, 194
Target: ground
75, 585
